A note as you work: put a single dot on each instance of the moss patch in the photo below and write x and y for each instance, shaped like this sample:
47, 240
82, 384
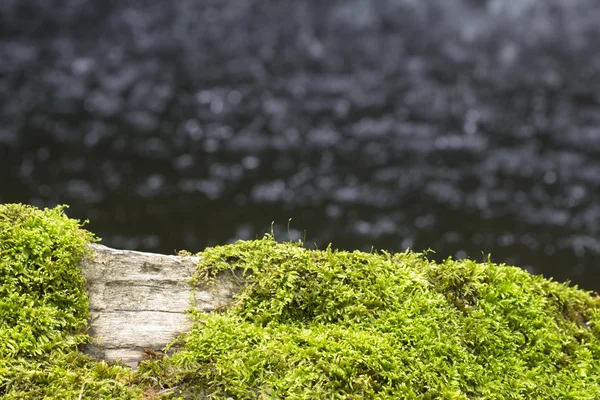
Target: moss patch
351, 325
307, 325
44, 311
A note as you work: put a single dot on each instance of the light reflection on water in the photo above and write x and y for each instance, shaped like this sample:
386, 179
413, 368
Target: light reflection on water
465, 127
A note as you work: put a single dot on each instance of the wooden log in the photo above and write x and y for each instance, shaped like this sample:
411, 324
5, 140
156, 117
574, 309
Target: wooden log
138, 300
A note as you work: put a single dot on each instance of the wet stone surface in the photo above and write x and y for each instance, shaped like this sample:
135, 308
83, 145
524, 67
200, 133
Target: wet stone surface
467, 127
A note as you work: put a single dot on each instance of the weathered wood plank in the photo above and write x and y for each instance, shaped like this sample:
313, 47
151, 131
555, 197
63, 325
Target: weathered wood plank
138, 300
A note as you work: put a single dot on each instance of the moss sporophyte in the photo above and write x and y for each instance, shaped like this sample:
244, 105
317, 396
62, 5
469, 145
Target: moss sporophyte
307, 324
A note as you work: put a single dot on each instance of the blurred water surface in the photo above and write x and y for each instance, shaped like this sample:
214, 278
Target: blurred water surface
467, 127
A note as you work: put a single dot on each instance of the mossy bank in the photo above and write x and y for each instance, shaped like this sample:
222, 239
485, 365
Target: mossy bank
307, 325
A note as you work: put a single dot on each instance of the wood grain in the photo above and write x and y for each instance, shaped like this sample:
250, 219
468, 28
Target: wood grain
138, 300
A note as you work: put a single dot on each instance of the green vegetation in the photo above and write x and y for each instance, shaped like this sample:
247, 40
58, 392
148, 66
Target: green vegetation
44, 311
307, 325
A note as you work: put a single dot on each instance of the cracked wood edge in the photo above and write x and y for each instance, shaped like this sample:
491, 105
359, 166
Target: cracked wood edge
138, 300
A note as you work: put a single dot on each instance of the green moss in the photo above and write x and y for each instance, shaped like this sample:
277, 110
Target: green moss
307, 325
351, 325
44, 311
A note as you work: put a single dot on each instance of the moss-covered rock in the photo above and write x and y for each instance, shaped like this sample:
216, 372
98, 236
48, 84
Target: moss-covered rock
307, 325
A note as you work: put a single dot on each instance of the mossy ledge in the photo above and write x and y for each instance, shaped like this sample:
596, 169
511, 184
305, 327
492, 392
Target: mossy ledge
307, 324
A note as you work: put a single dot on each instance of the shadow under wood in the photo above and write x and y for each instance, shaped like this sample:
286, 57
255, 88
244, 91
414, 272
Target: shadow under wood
138, 300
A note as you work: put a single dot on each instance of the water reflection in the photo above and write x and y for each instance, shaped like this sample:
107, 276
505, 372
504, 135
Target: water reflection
461, 126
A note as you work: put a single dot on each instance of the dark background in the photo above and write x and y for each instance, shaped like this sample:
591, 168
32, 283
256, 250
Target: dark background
467, 127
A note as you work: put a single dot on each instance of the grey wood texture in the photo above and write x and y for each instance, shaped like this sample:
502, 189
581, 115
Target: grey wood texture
138, 300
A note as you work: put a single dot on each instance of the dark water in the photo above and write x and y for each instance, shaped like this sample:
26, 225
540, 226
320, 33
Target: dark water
467, 127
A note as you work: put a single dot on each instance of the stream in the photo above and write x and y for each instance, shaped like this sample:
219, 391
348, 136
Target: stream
469, 127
